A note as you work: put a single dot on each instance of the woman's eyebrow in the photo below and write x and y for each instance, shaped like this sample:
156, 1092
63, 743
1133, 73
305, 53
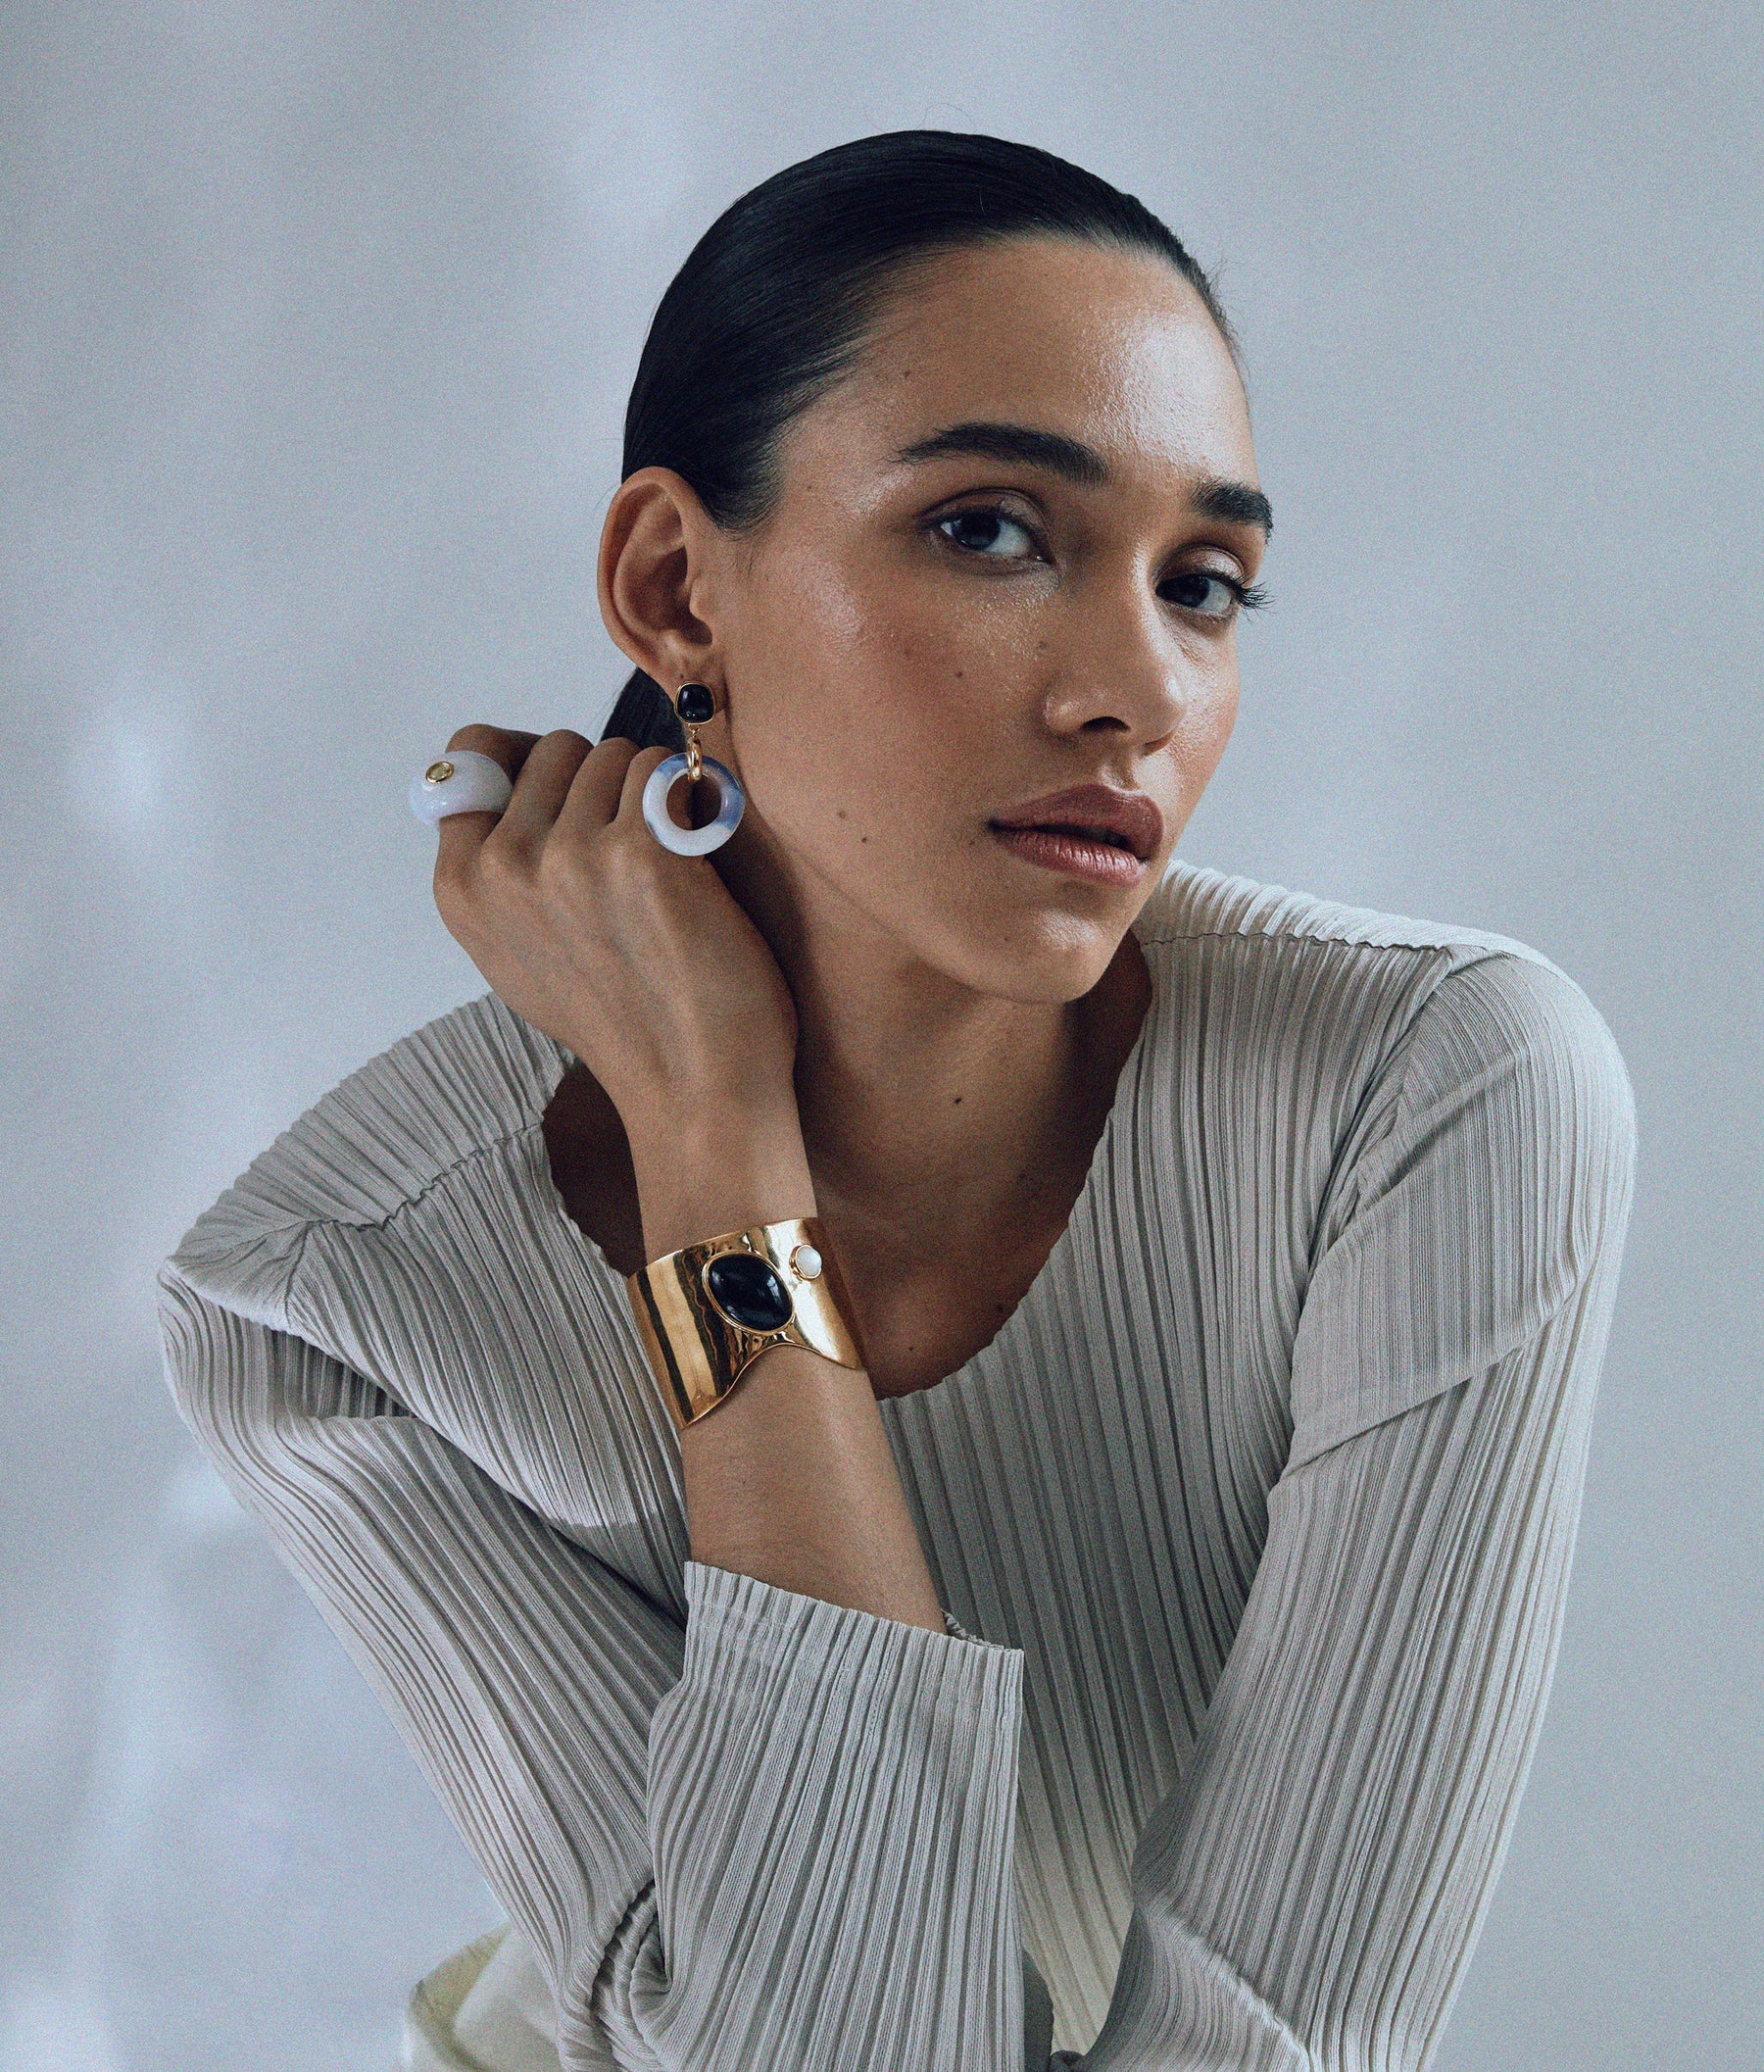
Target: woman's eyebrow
1236, 503
1022, 443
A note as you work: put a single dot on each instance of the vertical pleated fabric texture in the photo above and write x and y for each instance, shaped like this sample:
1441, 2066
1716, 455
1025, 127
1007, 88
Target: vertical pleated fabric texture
1263, 1500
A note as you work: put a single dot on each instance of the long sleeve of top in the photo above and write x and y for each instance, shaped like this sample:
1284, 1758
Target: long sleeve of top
1264, 1500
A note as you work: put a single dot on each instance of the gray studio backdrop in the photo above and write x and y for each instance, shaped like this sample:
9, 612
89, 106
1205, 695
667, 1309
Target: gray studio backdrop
318, 321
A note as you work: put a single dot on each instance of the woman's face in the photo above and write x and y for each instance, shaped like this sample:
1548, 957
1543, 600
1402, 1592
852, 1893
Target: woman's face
1004, 562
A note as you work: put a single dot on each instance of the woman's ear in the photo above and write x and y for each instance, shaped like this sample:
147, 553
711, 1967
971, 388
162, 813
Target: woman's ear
653, 576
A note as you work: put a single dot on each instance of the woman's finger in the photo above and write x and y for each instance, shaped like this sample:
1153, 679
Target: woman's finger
461, 834
600, 783
541, 788
499, 743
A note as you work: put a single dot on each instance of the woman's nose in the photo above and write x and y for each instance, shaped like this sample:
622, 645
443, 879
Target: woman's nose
1121, 672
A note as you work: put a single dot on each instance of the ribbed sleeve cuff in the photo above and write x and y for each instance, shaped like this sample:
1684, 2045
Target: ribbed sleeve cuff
832, 1804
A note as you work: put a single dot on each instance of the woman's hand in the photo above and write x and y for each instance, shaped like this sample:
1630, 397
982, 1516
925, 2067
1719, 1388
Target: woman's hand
642, 963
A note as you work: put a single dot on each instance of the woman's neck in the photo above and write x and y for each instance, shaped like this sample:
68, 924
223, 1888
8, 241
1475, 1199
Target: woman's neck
932, 1114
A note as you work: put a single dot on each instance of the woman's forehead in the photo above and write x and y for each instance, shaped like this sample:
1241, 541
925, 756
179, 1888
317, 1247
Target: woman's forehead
1112, 349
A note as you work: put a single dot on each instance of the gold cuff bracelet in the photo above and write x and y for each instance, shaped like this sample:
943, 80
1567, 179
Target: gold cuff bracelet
706, 1312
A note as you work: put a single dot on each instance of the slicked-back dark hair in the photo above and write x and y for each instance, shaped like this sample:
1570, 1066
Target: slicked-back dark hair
773, 302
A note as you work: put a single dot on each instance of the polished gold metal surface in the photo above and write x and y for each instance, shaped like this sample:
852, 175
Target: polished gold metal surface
698, 1353
695, 756
437, 773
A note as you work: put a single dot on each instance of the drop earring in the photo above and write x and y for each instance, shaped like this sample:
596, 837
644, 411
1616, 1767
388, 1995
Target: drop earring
695, 704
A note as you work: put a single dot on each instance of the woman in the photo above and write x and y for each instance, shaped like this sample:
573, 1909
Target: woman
1129, 1637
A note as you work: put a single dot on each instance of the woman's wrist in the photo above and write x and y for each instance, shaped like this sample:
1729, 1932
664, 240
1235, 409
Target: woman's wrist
713, 1166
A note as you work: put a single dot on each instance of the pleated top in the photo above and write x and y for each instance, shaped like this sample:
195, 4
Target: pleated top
1260, 1508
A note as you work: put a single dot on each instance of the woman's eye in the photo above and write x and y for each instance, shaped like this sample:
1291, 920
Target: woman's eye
994, 534
1203, 590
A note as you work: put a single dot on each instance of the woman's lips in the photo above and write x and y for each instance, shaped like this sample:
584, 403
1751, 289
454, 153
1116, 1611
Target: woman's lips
1078, 855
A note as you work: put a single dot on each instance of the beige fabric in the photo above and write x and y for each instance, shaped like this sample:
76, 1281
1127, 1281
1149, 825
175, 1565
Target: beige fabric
487, 2009
1264, 1500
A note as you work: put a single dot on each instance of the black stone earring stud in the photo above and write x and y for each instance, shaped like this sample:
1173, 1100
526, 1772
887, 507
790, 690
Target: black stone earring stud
695, 704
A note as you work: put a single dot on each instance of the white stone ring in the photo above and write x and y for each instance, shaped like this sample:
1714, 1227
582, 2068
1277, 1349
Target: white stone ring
460, 781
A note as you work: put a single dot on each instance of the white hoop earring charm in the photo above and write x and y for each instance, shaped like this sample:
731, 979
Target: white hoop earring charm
460, 781
692, 841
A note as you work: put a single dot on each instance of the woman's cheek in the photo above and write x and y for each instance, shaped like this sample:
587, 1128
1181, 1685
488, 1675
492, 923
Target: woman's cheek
1214, 716
1197, 747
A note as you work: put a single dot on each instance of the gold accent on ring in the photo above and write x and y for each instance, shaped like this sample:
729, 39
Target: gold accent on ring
438, 772
695, 756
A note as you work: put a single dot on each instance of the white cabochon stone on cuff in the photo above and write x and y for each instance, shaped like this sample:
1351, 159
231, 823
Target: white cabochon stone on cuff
460, 781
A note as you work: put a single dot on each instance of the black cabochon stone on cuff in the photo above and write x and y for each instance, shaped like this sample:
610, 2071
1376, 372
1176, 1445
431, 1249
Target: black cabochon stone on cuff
749, 1291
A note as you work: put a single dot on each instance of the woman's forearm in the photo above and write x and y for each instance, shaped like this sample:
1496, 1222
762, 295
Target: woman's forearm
791, 1479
